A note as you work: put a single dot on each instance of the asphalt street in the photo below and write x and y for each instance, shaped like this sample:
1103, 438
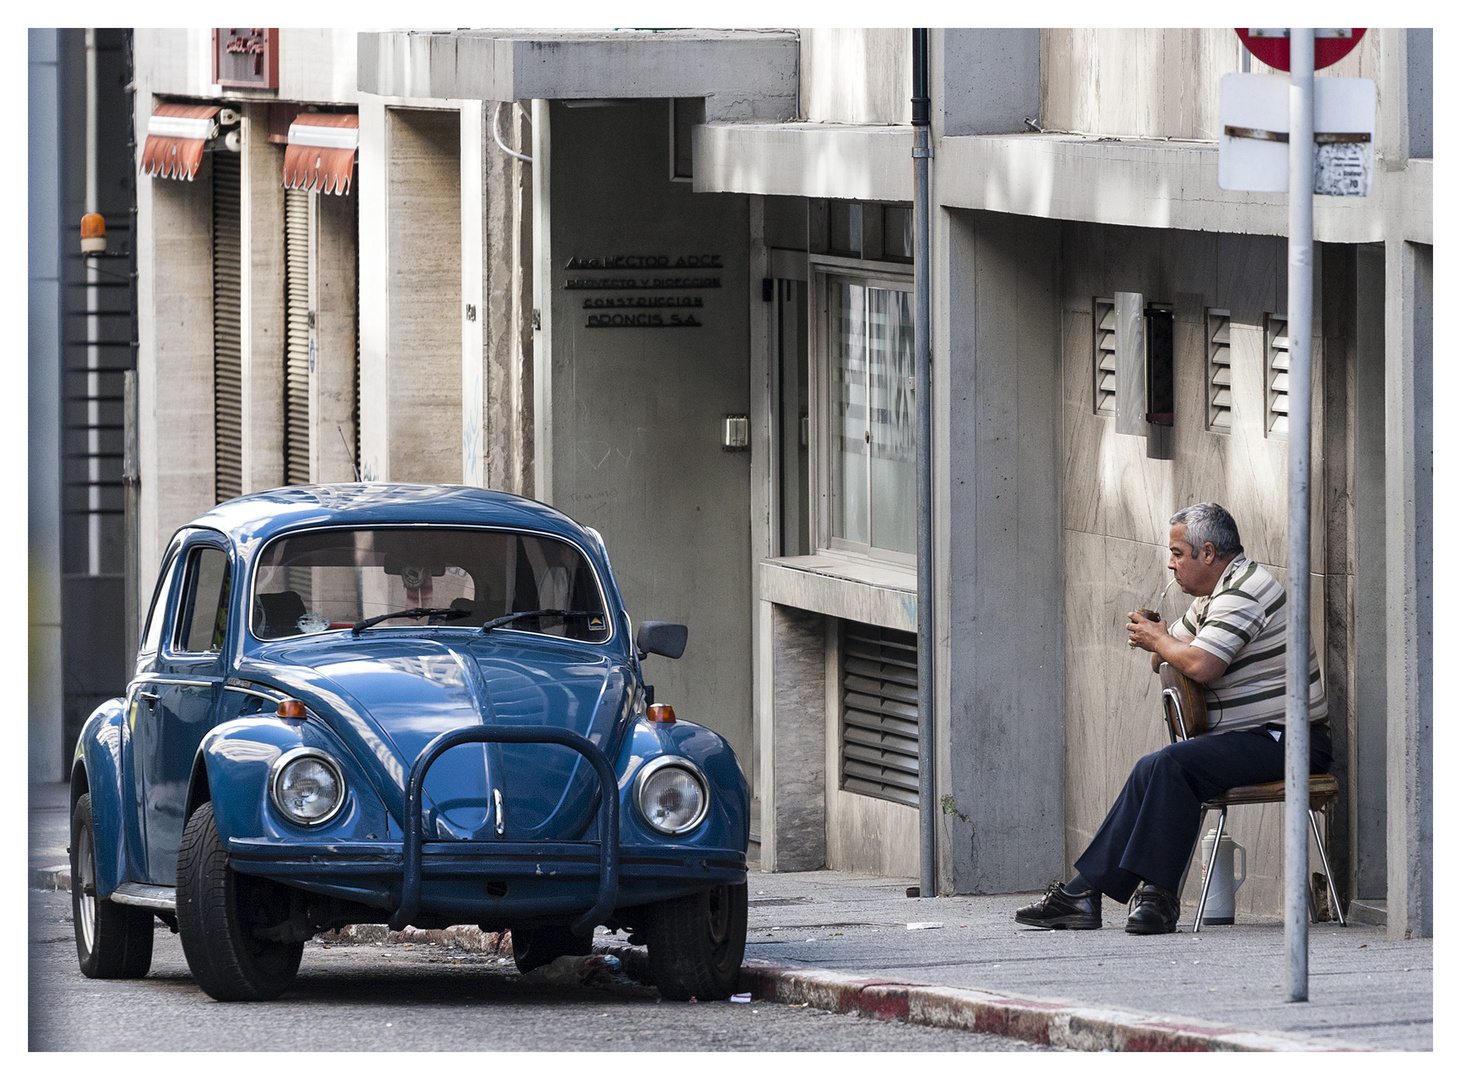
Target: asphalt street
418, 998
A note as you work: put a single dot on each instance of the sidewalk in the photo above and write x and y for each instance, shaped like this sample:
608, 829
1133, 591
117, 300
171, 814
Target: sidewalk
856, 943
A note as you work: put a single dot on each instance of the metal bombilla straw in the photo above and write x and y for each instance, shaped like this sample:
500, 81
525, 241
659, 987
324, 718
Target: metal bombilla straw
1154, 614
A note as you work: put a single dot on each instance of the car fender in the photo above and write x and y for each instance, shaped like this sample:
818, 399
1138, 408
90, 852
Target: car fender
96, 767
727, 824
232, 768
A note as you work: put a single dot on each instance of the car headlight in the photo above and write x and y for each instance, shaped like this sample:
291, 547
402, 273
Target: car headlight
671, 795
307, 786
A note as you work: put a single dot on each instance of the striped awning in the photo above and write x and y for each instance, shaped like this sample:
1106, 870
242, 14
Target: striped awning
175, 138
321, 152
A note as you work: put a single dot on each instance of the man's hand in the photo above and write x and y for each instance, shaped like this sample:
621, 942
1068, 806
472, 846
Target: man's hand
1151, 634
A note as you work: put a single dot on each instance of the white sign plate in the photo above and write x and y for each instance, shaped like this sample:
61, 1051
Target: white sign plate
1260, 103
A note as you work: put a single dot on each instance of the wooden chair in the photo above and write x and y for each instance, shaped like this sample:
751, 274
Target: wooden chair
1184, 707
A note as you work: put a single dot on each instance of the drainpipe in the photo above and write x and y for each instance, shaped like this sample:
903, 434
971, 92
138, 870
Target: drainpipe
923, 399
131, 468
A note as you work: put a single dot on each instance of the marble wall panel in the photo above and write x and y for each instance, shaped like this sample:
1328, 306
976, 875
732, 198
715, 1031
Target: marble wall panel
1085, 433
793, 799
866, 835
1193, 263
1252, 276
1077, 351
1137, 500
1083, 264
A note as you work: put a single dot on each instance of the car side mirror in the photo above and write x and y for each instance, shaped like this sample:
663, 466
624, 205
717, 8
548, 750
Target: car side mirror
664, 638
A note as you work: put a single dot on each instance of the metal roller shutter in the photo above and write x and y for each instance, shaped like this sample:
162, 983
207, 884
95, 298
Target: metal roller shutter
296, 336
227, 329
879, 712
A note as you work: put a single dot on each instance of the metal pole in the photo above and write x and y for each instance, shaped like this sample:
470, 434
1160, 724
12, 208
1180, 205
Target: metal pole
131, 467
923, 400
1300, 325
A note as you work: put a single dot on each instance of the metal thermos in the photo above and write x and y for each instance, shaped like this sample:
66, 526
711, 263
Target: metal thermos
1225, 879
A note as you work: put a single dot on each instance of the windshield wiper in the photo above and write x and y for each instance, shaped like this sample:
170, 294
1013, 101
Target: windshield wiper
412, 613
493, 624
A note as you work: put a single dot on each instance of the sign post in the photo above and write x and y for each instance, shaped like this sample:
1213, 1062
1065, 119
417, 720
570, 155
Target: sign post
1300, 328
1258, 127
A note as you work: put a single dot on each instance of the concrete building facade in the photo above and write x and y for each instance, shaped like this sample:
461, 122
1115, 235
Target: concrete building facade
663, 281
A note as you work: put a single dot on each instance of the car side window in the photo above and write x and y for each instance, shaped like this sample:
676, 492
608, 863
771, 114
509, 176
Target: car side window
203, 609
152, 636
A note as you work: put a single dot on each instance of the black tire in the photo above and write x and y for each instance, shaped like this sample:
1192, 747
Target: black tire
113, 941
218, 911
534, 946
696, 943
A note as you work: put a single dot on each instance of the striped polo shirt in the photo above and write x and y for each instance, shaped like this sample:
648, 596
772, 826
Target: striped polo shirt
1245, 622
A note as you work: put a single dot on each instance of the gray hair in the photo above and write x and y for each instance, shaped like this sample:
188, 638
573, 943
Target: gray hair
1209, 523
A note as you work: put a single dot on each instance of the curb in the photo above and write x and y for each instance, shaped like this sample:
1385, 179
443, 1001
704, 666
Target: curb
1046, 1021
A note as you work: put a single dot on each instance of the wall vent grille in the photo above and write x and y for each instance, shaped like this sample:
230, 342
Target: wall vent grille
1276, 338
1219, 372
879, 712
1103, 355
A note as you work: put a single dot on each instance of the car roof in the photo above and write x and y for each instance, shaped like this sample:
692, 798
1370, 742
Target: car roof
258, 517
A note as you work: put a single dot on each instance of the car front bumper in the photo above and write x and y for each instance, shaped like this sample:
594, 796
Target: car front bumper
487, 882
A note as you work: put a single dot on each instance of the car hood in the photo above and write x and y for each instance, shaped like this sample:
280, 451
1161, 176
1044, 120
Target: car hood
387, 695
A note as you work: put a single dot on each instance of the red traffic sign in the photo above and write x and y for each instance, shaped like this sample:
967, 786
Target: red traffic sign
1272, 46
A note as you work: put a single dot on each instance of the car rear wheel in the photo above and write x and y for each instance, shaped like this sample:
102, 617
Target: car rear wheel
222, 915
113, 941
534, 946
696, 943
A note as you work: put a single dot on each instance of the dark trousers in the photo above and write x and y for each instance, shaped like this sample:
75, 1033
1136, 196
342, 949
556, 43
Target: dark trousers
1150, 830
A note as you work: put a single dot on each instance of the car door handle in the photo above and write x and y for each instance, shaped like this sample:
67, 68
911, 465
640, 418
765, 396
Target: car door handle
147, 696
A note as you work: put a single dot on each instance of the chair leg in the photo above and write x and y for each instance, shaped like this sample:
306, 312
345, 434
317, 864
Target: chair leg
1207, 873
1196, 850
1328, 876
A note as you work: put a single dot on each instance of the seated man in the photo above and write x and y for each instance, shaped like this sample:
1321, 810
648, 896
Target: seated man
1232, 640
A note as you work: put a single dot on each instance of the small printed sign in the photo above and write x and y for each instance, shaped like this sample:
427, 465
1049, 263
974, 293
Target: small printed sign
1344, 168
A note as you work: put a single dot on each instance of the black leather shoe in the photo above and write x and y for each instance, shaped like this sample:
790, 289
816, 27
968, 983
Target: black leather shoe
1060, 910
1157, 910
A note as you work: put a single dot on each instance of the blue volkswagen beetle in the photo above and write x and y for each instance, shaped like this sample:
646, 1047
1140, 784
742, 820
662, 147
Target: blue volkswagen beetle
367, 703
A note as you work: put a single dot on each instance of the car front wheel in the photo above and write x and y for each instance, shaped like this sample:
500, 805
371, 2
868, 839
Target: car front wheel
113, 941
224, 920
696, 943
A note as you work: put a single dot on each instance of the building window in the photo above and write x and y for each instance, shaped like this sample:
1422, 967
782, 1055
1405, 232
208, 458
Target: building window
879, 712
868, 231
1219, 372
867, 498
1103, 355
1276, 338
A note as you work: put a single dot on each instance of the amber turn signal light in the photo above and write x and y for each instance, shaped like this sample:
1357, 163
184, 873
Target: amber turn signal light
661, 714
291, 709
93, 233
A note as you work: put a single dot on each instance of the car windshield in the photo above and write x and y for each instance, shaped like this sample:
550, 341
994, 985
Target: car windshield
332, 579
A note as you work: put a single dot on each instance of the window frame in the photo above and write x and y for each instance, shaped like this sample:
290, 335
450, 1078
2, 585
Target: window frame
611, 615
823, 271
158, 611
186, 599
